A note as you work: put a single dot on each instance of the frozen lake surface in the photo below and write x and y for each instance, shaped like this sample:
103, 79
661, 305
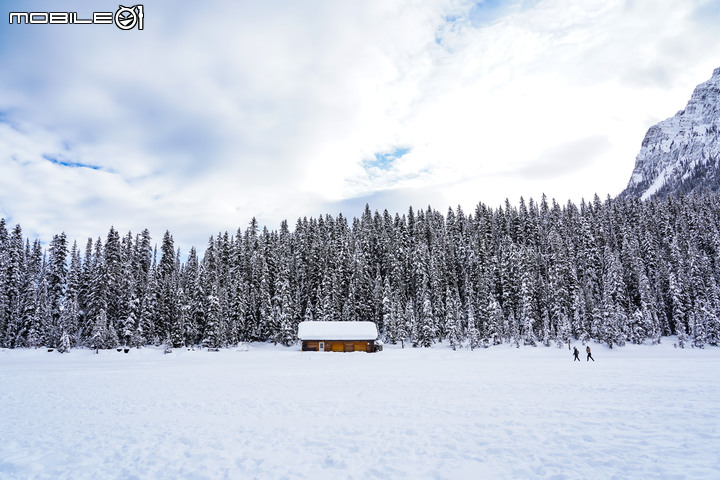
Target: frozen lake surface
274, 412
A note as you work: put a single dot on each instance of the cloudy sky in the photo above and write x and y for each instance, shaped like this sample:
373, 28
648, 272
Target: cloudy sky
220, 111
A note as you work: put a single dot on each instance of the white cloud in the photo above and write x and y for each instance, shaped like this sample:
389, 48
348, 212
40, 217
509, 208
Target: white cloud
220, 112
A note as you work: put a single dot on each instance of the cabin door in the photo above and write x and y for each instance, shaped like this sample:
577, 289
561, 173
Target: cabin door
321, 347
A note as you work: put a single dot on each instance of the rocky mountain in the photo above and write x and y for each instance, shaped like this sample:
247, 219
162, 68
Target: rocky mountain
682, 153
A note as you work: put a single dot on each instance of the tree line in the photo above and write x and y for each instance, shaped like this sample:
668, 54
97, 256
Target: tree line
614, 271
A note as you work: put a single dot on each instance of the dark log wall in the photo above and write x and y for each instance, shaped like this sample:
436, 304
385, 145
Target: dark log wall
339, 345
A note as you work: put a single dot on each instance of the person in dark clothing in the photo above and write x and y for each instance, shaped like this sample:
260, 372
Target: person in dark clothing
589, 357
576, 353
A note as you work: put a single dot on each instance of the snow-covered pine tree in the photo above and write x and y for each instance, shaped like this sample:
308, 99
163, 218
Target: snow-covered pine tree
407, 329
528, 310
57, 271
146, 322
389, 310
211, 337
166, 314
99, 334
425, 334
262, 333
194, 299
18, 287
437, 287
64, 345
508, 271
679, 309
179, 316
281, 324
513, 329
546, 332
453, 320
274, 323
113, 276
615, 319
560, 283
712, 326
697, 329
474, 337
129, 318
497, 329
72, 298
474, 334
709, 309
68, 322
41, 331
4, 302
648, 317
288, 330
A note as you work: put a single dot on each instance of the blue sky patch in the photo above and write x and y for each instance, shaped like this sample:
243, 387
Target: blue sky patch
477, 15
65, 163
483, 13
5, 118
384, 161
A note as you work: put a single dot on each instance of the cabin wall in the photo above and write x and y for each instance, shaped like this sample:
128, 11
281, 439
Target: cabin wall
339, 345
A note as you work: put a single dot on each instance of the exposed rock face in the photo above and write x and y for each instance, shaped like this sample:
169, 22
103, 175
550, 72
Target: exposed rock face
682, 153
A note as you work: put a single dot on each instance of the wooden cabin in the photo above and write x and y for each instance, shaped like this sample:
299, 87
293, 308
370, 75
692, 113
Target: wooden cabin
337, 336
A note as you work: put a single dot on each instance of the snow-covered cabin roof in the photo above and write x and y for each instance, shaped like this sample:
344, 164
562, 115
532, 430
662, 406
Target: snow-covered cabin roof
337, 331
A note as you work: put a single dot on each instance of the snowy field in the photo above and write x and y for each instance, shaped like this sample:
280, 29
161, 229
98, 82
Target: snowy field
638, 412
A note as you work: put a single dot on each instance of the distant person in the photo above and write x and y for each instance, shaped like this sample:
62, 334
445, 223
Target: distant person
576, 353
589, 357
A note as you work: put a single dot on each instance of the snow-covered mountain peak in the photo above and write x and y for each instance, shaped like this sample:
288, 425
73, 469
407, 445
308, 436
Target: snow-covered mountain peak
681, 154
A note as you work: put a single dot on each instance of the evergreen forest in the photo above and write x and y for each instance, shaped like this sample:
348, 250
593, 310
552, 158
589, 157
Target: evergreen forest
534, 273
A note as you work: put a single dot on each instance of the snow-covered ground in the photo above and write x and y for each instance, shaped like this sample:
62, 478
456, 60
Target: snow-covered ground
274, 412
